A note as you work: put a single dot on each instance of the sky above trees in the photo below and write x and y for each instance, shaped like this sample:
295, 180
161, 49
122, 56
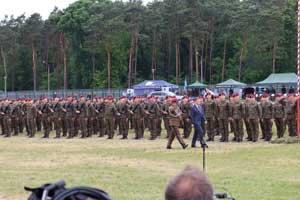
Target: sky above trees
43, 7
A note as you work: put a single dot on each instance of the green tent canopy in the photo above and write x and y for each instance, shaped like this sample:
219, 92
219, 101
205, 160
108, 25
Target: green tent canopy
197, 84
230, 83
280, 79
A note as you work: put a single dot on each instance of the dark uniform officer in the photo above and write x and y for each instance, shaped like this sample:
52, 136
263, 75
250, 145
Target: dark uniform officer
279, 115
210, 108
175, 122
267, 116
236, 116
185, 107
223, 109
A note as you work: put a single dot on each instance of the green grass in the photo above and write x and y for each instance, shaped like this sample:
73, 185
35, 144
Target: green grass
140, 170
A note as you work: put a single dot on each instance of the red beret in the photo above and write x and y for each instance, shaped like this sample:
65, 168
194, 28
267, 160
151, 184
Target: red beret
292, 95
150, 97
278, 95
109, 97
265, 95
216, 97
235, 95
208, 94
174, 101
185, 97
222, 94
251, 96
122, 97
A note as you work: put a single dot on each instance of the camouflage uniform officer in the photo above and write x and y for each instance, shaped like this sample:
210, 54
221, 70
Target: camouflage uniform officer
45, 111
77, 117
236, 116
38, 119
138, 113
175, 122
223, 108
15, 116
6, 113
58, 114
291, 115
216, 122
209, 108
92, 114
248, 131
71, 110
153, 115
267, 116
110, 113
253, 114
185, 107
279, 115
83, 116
64, 122
30, 113
101, 108
165, 111
123, 109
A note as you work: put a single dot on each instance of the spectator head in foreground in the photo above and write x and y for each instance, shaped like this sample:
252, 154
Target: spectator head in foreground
190, 184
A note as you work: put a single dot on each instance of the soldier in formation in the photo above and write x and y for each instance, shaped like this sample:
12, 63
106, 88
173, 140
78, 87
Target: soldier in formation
99, 116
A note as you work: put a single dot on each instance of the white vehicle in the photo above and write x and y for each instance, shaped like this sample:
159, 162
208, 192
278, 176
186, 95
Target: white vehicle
163, 94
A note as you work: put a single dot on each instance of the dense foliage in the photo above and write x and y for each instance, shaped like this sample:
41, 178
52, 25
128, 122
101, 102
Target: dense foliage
104, 43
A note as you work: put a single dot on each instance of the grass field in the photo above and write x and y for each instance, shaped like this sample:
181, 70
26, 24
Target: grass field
140, 170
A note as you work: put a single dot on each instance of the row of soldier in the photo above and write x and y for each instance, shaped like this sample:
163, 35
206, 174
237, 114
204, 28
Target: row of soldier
86, 117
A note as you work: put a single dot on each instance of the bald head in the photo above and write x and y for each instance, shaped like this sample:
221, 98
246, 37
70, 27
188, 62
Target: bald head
190, 184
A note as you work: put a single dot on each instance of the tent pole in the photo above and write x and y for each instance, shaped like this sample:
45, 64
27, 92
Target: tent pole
298, 65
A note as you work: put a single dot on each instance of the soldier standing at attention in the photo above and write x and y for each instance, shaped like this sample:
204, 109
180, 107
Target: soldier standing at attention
100, 108
45, 111
253, 113
185, 107
30, 115
58, 113
209, 107
6, 113
223, 116
38, 119
279, 115
138, 118
64, 118
236, 116
175, 123
83, 116
267, 116
123, 109
70, 115
110, 116
248, 131
291, 114
153, 113
216, 122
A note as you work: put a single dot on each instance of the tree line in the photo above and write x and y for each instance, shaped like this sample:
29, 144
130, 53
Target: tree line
110, 44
